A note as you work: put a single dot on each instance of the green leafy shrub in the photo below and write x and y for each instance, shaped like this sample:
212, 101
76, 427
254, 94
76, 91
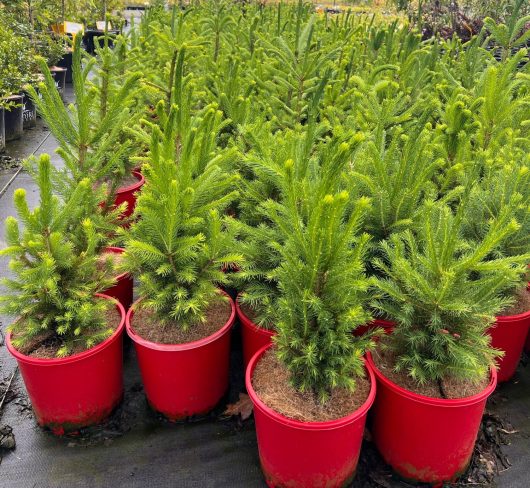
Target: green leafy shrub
15, 61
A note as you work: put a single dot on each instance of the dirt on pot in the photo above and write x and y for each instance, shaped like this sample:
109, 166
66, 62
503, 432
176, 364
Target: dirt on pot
521, 305
448, 388
131, 412
146, 325
272, 385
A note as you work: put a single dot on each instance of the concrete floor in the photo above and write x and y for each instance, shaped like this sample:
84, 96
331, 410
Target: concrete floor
141, 450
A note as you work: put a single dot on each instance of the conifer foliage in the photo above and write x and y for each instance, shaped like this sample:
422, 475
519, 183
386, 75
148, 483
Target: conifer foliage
179, 246
90, 132
52, 295
321, 280
443, 292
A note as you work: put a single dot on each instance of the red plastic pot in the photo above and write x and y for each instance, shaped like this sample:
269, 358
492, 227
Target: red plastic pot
128, 194
123, 289
426, 439
509, 334
80, 390
307, 454
384, 324
253, 337
181, 380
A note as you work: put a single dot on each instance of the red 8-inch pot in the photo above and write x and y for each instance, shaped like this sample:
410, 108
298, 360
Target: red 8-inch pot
128, 194
307, 454
77, 391
181, 380
123, 289
253, 337
509, 334
386, 325
426, 439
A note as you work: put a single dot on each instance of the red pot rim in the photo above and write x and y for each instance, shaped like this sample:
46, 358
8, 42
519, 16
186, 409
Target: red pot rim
248, 323
513, 318
186, 345
76, 357
297, 424
134, 186
385, 324
116, 250
426, 400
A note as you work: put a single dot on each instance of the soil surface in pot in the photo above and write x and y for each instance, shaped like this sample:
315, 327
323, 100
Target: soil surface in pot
147, 326
114, 258
448, 388
128, 180
46, 346
271, 383
521, 305
247, 310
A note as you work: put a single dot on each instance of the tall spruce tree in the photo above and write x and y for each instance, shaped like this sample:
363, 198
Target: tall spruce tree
52, 295
89, 132
265, 178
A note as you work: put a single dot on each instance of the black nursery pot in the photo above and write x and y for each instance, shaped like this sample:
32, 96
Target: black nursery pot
14, 118
2, 131
93, 36
66, 62
59, 75
30, 112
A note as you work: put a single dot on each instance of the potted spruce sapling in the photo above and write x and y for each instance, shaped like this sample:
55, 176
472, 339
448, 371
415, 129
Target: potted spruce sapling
263, 177
66, 336
90, 132
181, 325
436, 370
507, 187
311, 390
264, 153
93, 144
